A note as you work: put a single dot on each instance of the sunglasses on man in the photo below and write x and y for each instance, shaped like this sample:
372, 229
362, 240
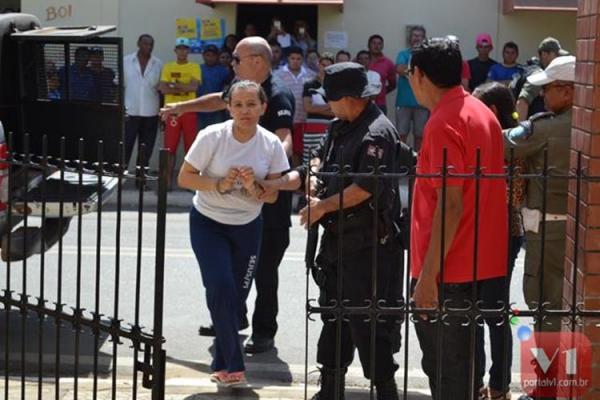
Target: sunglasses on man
238, 59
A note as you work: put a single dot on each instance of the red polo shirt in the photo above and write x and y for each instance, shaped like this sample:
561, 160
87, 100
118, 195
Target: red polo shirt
387, 70
461, 124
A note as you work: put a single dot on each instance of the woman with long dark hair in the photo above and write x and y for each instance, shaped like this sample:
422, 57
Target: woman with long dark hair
500, 100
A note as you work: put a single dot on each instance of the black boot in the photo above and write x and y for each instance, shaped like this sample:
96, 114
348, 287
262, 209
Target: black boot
387, 390
327, 391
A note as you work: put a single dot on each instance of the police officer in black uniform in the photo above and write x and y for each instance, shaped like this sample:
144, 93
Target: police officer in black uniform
362, 141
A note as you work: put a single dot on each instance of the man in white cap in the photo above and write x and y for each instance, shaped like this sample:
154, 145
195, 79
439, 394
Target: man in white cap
545, 219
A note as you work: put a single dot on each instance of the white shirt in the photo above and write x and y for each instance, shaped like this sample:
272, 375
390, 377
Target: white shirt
215, 150
141, 91
374, 79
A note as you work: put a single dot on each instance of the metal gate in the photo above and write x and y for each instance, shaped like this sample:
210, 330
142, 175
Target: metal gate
83, 272
574, 315
73, 290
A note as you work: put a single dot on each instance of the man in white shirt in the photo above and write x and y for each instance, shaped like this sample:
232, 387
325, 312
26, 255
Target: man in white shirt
142, 101
294, 75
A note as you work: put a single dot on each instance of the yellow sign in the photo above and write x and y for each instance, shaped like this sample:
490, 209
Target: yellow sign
211, 29
186, 27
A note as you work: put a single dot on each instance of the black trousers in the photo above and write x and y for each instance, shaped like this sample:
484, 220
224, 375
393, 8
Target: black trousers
144, 129
457, 357
357, 272
273, 246
501, 343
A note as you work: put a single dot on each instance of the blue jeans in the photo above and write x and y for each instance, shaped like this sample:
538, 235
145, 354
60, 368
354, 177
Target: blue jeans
228, 256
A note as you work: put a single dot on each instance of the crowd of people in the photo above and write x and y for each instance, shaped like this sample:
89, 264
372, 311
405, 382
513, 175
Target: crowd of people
260, 102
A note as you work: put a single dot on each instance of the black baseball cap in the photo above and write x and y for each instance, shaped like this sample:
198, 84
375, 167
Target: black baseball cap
347, 79
211, 48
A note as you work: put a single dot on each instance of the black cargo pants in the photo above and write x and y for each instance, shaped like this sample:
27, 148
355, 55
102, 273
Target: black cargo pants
356, 274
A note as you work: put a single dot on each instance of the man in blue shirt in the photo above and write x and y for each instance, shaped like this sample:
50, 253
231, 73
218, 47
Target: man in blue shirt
214, 78
408, 111
81, 79
506, 71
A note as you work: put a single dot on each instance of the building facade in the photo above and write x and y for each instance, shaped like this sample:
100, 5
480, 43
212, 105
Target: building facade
358, 19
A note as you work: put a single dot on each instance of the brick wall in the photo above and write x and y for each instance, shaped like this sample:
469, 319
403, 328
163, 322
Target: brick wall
586, 139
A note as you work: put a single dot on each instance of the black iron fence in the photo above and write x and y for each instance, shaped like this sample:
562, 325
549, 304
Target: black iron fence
535, 315
66, 311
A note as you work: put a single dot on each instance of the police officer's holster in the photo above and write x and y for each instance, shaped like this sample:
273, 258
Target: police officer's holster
349, 257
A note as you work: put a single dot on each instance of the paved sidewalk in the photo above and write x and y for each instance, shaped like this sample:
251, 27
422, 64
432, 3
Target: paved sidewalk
186, 380
192, 382
179, 389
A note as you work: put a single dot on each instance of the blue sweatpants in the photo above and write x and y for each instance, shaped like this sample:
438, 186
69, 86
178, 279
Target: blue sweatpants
228, 256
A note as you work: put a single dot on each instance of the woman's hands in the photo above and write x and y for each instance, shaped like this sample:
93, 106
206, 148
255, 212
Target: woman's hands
249, 184
243, 175
246, 177
226, 184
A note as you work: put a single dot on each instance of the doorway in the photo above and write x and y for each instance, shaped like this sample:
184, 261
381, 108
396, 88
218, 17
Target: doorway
262, 15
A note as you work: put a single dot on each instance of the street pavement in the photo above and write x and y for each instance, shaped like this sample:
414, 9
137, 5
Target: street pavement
279, 373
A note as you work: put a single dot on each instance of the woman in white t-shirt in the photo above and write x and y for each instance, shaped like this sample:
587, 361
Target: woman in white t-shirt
223, 166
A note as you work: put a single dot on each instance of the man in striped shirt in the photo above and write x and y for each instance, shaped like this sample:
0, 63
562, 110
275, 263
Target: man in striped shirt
294, 75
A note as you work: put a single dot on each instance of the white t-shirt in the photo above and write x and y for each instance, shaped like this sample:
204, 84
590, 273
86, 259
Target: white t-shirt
141, 90
215, 150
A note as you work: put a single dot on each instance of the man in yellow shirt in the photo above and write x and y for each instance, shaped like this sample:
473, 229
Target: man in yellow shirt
178, 82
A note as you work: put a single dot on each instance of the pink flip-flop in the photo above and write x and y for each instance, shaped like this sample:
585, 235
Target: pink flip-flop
219, 376
235, 379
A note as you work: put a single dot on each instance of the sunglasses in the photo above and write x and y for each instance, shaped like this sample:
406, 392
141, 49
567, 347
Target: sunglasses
237, 59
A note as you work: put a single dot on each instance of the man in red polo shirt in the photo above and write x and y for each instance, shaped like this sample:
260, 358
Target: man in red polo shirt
384, 67
461, 130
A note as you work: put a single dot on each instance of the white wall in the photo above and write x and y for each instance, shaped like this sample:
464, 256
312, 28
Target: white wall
528, 28
389, 18
360, 18
73, 12
132, 17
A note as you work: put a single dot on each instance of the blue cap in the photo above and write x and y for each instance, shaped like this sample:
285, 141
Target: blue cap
182, 42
